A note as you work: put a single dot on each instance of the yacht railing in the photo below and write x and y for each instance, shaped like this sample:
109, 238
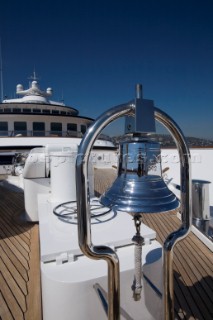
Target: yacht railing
42, 133
35, 133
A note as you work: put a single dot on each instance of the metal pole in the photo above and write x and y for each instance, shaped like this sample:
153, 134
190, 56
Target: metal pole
139, 91
186, 210
83, 207
1, 73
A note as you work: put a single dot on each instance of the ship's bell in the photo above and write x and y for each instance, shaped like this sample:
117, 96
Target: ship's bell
139, 187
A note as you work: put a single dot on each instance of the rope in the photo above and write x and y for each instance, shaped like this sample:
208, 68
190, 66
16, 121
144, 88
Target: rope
138, 241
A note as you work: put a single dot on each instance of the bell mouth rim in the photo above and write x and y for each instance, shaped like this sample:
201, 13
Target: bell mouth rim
143, 208
171, 212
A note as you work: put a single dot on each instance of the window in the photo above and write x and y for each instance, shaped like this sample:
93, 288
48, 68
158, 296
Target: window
3, 128
38, 129
36, 110
55, 112
56, 128
16, 110
83, 128
46, 111
20, 128
26, 110
6, 110
72, 130
63, 112
71, 127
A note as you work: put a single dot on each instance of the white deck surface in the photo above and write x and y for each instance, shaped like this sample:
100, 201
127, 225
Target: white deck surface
58, 237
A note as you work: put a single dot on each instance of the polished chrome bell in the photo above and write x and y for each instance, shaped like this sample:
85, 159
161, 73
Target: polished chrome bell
140, 121
139, 187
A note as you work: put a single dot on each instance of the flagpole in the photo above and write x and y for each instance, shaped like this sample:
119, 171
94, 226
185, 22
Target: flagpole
1, 72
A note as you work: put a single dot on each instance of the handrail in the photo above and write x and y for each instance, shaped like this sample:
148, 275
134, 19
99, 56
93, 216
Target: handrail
40, 133
45, 133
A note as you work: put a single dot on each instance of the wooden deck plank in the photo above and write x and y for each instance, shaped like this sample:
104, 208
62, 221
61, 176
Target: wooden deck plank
16, 262
12, 204
194, 298
197, 267
203, 253
195, 284
14, 224
103, 179
14, 272
196, 248
13, 247
33, 311
198, 273
4, 311
183, 298
14, 256
13, 307
9, 232
12, 284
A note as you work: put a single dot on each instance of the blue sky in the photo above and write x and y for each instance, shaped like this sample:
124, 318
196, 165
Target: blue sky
94, 52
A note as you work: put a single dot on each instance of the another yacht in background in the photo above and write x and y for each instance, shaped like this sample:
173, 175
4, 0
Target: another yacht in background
33, 120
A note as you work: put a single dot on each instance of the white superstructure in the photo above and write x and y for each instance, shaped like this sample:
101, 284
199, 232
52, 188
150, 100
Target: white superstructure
32, 113
33, 120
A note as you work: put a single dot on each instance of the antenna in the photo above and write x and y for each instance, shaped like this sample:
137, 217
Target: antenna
33, 77
62, 96
1, 73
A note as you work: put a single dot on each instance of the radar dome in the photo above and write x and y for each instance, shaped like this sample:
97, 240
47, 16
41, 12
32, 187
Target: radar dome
49, 91
19, 87
34, 84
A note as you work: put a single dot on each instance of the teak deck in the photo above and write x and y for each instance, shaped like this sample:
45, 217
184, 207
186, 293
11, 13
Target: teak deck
20, 293
20, 296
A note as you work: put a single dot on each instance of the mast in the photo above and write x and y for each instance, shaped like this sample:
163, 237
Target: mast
33, 77
1, 73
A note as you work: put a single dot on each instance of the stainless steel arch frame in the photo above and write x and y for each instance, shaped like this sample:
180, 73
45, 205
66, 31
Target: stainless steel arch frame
83, 205
186, 210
